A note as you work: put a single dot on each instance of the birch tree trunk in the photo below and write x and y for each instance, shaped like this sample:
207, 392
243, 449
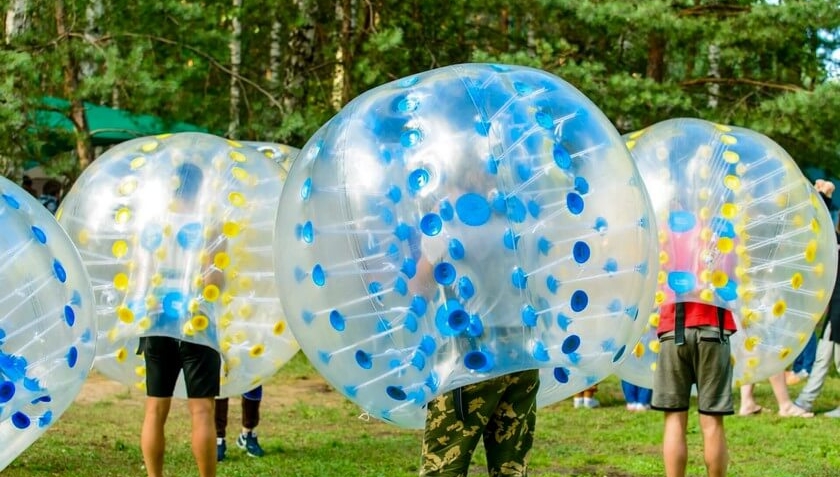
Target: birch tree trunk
235, 63
93, 13
529, 34
343, 55
274, 58
70, 84
714, 72
17, 19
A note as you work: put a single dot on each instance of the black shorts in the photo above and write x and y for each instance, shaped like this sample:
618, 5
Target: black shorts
166, 357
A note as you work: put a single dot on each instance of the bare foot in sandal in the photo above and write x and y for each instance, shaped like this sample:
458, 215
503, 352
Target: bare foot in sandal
793, 410
750, 411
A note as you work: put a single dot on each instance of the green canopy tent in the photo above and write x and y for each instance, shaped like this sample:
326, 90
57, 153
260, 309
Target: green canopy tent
107, 125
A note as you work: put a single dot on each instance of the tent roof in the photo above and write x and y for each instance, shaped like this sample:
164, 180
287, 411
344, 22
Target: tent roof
107, 125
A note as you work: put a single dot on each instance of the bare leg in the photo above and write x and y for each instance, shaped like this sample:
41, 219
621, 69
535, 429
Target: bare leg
203, 435
748, 404
674, 449
786, 406
152, 439
715, 452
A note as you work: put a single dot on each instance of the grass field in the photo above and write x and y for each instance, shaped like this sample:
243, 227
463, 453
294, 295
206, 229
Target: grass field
308, 429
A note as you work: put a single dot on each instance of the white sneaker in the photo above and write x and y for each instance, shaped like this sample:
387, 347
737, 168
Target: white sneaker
591, 403
833, 413
578, 402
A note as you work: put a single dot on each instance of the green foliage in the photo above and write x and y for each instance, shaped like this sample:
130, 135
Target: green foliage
783, 119
640, 62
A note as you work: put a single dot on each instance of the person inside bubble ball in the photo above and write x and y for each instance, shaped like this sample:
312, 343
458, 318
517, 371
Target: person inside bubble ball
828, 347
694, 350
51, 195
166, 357
778, 382
501, 410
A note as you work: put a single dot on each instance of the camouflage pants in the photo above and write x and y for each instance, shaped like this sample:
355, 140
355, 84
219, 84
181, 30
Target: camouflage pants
502, 411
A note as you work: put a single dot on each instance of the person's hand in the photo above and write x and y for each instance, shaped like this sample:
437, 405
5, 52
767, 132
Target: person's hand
824, 187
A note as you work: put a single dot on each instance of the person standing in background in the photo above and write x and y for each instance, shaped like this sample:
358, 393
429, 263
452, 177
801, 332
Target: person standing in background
586, 398
247, 439
27, 185
51, 195
637, 397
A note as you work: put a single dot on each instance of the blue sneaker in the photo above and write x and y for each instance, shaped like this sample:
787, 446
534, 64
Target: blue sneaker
250, 444
221, 448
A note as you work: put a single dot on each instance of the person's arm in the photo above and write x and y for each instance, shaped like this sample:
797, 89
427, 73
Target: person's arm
216, 251
826, 190
432, 250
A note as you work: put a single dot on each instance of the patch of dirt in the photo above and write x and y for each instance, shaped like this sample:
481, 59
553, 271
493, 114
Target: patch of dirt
99, 388
277, 392
587, 471
310, 389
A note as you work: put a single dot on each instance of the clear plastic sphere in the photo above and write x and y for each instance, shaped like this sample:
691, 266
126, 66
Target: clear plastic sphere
282, 154
740, 227
175, 232
460, 224
47, 323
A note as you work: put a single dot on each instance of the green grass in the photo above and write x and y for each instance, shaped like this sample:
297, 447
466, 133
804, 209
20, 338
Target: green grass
308, 429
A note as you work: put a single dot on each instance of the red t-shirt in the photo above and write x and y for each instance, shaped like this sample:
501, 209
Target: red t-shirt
696, 314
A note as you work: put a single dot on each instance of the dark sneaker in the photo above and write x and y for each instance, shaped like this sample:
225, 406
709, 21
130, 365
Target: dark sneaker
221, 448
250, 444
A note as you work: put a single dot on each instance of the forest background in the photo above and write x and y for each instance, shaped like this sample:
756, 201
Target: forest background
276, 70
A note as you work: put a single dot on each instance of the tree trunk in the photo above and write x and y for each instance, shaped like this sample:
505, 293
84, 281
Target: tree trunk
93, 13
17, 19
714, 72
529, 34
274, 58
656, 57
235, 63
299, 56
343, 55
84, 151
691, 52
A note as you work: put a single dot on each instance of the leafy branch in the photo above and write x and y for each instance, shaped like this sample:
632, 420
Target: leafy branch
742, 81
210, 59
